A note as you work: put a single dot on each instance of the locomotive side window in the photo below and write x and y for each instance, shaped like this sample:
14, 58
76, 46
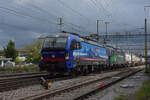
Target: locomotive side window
79, 45
75, 45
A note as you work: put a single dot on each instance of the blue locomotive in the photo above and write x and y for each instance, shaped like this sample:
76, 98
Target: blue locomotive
63, 53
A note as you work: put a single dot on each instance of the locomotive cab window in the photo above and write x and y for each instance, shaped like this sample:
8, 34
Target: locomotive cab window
75, 45
53, 43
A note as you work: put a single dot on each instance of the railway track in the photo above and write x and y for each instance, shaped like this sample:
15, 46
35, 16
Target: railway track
103, 82
16, 81
107, 83
20, 74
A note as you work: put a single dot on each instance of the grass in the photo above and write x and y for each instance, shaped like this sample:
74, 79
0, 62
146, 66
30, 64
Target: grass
19, 69
142, 94
121, 97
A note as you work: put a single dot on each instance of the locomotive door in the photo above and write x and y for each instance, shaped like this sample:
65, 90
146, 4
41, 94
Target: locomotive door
75, 46
78, 55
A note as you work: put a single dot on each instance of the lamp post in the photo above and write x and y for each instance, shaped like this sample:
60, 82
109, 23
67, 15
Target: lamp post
105, 39
60, 23
97, 28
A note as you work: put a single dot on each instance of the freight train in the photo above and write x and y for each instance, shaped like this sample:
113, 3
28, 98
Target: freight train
70, 53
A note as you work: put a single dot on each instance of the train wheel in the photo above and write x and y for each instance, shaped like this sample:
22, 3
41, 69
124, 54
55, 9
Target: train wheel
89, 69
73, 73
102, 67
86, 71
99, 67
82, 70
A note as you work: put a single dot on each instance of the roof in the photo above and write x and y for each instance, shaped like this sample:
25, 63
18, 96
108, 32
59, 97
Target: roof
21, 50
56, 35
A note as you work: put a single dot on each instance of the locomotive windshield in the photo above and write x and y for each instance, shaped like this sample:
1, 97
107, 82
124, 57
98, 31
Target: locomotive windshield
54, 43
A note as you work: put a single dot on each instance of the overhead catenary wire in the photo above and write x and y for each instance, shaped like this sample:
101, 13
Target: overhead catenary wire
78, 13
100, 5
17, 13
14, 26
48, 13
92, 4
14, 12
20, 14
95, 5
42, 10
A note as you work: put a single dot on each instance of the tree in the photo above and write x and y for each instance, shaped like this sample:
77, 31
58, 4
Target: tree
33, 52
10, 51
1, 53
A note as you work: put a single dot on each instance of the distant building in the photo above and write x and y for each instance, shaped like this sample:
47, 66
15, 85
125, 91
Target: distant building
22, 52
3, 61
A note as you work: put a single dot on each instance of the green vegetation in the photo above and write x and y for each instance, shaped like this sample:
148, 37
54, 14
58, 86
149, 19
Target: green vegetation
10, 51
1, 52
144, 92
33, 54
19, 69
17, 60
121, 97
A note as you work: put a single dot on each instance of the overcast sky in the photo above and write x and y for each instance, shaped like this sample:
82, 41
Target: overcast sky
25, 20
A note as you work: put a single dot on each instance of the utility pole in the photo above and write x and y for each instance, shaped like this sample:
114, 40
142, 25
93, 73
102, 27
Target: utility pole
145, 29
146, 66
106, 23
97, 22
131, 59
60, 23
97, 30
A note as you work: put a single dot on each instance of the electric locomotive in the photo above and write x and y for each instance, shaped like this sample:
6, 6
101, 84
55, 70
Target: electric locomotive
63, 53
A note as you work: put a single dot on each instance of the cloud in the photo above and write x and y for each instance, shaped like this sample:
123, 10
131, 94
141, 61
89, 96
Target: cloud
21, 2
25, 20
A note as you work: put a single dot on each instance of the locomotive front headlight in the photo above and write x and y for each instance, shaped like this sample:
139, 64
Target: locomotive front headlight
67, 56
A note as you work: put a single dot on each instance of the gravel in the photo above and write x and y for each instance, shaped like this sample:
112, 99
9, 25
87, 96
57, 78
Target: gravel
84, 89
127, 86
35, 89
